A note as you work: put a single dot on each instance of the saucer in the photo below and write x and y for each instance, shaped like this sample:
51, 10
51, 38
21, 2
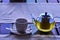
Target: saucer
4, 35
14, 31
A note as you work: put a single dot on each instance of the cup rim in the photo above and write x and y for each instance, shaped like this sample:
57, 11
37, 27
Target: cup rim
22, 19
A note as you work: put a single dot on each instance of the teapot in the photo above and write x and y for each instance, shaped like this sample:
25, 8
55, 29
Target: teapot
45, 22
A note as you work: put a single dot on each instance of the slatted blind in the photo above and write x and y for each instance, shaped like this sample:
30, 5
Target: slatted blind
14, 1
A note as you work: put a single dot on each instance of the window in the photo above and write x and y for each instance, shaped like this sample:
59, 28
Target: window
17, 1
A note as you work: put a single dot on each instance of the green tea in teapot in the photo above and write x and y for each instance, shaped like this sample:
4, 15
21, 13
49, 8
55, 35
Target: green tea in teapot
45, 27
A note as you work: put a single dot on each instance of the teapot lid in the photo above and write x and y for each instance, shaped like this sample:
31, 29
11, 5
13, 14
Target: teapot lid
45, 15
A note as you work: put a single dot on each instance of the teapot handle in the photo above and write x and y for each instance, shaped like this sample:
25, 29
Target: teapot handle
56, 17
57, 25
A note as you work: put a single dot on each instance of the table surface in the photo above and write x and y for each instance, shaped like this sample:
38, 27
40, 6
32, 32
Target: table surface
32, 37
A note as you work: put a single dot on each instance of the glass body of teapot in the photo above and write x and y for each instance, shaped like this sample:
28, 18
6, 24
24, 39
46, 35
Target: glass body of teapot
44, 23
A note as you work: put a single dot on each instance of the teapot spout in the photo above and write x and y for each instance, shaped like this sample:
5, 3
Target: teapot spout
32, 16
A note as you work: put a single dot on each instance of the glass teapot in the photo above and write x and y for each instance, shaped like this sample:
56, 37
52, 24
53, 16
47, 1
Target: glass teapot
44, 22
